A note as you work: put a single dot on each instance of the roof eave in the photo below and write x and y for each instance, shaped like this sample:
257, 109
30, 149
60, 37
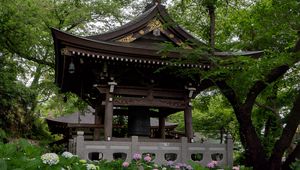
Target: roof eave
104, 47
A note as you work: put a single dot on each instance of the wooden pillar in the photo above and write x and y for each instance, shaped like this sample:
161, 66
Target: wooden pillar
108, 118
161, 127
98, 121
188, 121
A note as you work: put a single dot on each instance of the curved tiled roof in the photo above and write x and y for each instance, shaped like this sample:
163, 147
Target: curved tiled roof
156, 11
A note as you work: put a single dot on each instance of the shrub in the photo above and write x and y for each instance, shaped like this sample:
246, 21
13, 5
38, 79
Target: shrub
25, 156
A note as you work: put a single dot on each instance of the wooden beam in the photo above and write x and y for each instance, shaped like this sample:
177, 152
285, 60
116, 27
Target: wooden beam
135, 101
85, 125
144, 91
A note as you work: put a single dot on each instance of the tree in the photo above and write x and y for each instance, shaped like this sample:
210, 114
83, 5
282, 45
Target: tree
15, 100
243, 104
27, 51
253, 27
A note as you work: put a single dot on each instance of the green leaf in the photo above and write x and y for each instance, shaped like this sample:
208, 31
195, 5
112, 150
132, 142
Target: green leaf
3, 165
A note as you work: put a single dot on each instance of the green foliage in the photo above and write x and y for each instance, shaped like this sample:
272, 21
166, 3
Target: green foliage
23, 155
27, 55
211, 113
19, 155
61, 104
15, 99
296, 165
3, 135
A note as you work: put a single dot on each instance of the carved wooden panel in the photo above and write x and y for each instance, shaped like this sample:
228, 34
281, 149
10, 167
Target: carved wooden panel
134, 101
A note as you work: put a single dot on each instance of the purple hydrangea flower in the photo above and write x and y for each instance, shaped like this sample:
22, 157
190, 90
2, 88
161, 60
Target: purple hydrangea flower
170, 163
212, 164
137, 156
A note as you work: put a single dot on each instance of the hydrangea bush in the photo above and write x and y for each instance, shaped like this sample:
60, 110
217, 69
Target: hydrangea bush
24, 156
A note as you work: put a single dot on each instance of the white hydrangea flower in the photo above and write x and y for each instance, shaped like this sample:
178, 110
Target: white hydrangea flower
68, 168
67, 154
50, 158
91, 167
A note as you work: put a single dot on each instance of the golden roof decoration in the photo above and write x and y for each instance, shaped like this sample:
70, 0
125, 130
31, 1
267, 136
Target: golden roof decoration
127, 39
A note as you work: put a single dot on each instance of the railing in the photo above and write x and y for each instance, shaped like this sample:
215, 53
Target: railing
161, 150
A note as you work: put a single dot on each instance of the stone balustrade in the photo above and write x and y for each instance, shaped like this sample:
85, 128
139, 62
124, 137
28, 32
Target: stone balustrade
162, 151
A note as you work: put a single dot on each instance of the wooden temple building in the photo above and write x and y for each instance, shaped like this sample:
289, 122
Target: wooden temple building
126, 71
68, 125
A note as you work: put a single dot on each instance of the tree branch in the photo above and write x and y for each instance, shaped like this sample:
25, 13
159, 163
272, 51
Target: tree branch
292, 157
11, 48
75, 24
43, 62
260, 85
289, 130
229, 93
266, 107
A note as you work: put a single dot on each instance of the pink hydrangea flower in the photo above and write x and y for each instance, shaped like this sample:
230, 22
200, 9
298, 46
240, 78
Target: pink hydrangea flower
215, 162
147, 158
137, 156
125, 164
212, 164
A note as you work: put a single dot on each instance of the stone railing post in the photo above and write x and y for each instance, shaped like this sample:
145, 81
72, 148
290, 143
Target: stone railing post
71, 146
229, 150
80, 145
134, 145
184, 148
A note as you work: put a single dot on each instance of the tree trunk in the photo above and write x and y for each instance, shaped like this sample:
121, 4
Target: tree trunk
287, 134
255, 153
212, 17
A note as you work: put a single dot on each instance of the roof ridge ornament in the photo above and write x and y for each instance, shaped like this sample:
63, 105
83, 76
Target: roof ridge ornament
152, 4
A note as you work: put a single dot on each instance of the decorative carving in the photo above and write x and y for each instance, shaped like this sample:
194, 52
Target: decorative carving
65, 51
154, 24
127, 39
134, 101
142, 32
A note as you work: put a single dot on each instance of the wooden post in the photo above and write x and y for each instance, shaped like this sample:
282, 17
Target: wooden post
161, 127
108, 119
98, 121
188, 121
